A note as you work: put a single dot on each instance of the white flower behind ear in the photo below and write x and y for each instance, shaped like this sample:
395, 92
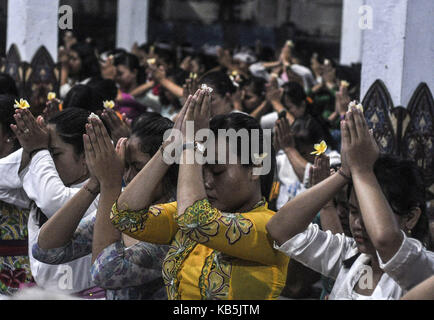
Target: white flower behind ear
345, 84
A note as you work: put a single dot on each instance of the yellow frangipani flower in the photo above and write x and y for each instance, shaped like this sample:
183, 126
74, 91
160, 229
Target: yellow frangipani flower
151, 61
345, 83
109, 104
51, 96
23, 104
320, 148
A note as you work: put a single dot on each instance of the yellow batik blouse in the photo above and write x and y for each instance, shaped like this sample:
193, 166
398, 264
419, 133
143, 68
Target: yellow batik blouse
212, 255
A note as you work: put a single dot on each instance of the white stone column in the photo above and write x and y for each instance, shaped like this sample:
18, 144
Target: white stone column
399, 49
351, 32
132, 23
31, 24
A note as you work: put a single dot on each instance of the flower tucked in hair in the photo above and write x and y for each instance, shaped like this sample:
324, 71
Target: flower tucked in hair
320, 148
109, 104
51, 96
354, 104
23, 104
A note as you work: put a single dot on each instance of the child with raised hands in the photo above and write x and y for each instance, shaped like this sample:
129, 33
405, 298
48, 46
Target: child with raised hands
386, 255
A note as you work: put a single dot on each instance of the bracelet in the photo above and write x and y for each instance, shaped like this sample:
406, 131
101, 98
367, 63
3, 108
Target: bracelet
33, 152
94, 193
344, 175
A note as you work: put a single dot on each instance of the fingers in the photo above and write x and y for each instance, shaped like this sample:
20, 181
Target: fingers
349, 121
199, 104
88, 149
345, 134
21, 126
182, 113
206, 108
92, 138
360, 124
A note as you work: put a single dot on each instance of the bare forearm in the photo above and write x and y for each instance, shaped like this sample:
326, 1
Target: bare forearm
378, 217
142, 89
260, 110
297, 162
172, 87
139, 193
423, 291
270, 65
104, 232
190, 184
296, 215
329, 219
60, 228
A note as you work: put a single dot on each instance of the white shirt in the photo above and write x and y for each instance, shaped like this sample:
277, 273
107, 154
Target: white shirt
290, 184
11, 186
326, 253
46, 191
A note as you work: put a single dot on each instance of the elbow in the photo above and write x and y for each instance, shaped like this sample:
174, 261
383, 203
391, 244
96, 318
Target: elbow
274, 229
383, 242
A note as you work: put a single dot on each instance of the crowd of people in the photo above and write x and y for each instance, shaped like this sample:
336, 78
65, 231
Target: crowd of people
91, 208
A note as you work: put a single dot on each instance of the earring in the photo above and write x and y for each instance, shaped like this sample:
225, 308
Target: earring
409, 232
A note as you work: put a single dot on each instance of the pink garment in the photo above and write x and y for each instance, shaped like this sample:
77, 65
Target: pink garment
128, 105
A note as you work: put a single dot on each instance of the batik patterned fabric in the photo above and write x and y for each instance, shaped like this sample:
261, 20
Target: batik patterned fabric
14, 270
212, 255
127, 273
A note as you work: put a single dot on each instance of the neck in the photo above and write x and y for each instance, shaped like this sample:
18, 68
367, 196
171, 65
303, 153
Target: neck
248, 206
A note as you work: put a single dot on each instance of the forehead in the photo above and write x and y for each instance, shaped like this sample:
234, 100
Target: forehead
56, 141
134, 150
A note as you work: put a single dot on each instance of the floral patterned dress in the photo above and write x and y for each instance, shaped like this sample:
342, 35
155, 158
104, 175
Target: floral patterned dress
14, 268
212, 255
127, 273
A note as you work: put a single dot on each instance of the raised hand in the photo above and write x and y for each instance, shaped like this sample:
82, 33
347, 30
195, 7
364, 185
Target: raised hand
101, 158
359, 148
320, 170
199, 111
118, 128
31, 133
284, 138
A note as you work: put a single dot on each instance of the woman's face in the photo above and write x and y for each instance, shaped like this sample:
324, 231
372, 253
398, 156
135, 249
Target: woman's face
125, 77
220, 105
74, 62
229, 187
357, 227
296, 111
72, 168
251, 100
135, 159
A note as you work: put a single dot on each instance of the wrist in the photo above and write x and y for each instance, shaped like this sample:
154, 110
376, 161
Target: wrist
361, 171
